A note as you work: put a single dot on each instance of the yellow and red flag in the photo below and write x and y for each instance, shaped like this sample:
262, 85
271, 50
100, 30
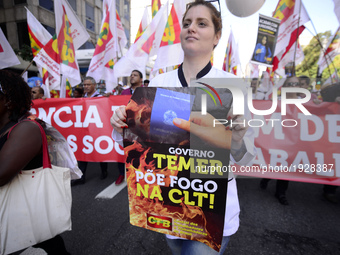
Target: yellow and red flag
332, 50
58, 55
170, 52
111, 39
231, 59
292, 14
143, 23
145, 47
155, 6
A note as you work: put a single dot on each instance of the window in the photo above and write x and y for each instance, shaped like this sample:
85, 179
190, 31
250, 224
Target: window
118, 6
127, 10
89, 17
1, 3
51, 30
47, 4
19, 2
23, 34
87, 45
73, 4
127, 33
4, 28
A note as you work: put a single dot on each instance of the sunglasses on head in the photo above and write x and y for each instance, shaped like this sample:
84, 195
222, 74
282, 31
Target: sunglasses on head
213, 2
293, 84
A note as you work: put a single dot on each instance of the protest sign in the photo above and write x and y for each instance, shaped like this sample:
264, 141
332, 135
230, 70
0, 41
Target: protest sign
171, 189
266, 41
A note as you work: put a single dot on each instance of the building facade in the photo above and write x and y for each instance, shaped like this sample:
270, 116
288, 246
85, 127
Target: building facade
13, 20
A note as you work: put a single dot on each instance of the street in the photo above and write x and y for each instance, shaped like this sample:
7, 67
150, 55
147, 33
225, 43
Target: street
308, 225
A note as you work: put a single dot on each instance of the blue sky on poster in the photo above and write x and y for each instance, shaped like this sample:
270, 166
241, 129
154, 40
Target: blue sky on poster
245, 29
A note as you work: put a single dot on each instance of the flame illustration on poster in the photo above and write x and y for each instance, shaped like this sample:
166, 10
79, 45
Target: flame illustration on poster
170, 189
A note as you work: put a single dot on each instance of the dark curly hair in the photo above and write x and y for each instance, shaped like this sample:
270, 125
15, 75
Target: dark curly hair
17, 94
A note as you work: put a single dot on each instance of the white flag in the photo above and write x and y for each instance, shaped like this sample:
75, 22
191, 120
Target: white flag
138, 54
288, 12
106, 48
7, 55
143, 24
332, 50
170, 52
337, 9
71, 34
77, 30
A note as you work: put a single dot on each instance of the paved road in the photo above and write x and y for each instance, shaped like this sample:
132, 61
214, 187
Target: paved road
309, 225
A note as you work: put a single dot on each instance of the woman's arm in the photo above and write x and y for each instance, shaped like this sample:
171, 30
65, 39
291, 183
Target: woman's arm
22, 145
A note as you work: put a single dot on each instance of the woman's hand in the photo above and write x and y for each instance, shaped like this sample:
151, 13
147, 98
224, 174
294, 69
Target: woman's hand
206, 128
118, 119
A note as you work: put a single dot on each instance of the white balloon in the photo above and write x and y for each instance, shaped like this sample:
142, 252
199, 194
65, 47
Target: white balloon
244, 8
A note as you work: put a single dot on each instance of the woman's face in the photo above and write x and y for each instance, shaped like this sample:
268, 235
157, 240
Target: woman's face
264, 40
198, 33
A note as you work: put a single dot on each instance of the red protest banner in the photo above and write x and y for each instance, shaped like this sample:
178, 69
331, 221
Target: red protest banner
294, 146
85, 123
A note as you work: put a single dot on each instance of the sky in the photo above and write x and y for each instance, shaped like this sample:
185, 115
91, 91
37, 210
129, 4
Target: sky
245, 29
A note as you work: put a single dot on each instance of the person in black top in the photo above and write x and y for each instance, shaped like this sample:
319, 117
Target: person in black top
22, 149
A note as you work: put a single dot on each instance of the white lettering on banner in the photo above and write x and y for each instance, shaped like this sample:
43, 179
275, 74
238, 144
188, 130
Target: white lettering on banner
259, 159
71, 139
118, 149
57, 119
78, 109
42, 114
278, 157
106, 139
91, 145
92, 116
304, 130
333, 127
301, 158
268, 126
89, 148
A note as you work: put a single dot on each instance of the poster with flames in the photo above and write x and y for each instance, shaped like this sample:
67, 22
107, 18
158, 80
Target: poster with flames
173, 187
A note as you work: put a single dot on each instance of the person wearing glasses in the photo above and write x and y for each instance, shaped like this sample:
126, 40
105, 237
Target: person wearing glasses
200, 34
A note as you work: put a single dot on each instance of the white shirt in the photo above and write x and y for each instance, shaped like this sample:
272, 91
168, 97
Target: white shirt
175, 79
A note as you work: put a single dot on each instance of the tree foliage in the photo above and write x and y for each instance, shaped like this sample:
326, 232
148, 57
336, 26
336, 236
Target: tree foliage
25, 53
312, 51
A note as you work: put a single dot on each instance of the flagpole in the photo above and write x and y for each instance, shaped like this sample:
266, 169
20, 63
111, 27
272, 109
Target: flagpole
297, 37
27, 68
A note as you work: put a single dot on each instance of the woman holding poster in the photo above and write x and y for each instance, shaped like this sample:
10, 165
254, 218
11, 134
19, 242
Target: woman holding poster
201, 32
